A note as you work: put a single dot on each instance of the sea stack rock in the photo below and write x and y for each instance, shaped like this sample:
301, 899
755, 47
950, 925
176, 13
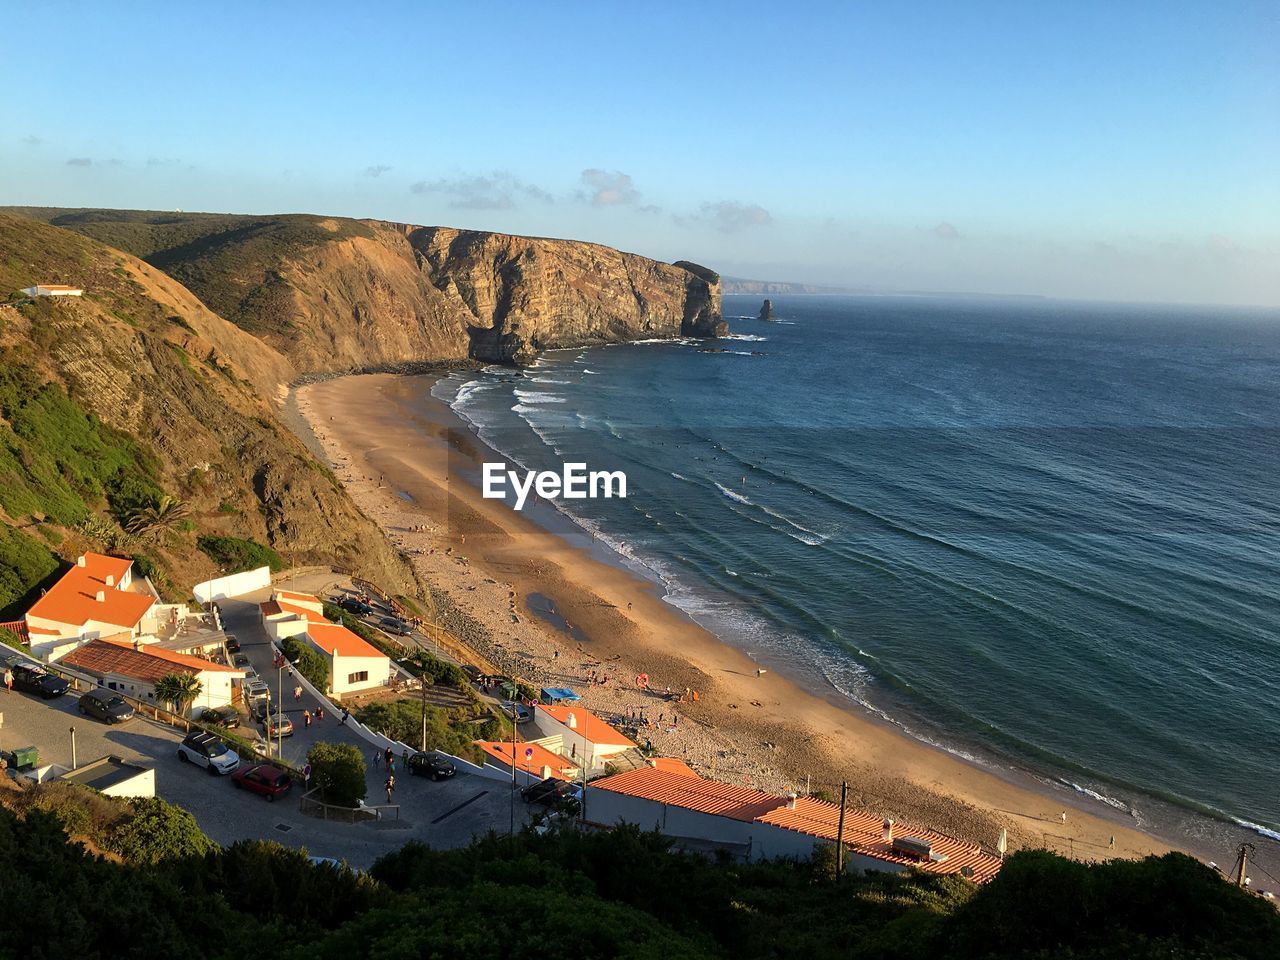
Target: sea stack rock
766, 311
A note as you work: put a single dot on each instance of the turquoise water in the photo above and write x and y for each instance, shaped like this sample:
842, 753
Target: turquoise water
1036, 529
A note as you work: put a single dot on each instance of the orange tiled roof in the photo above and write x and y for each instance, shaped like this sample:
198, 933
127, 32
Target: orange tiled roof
74, 600
289, 595
692, 793
672, 765
104, 656
863, 833
589, 726
274, 608
541, 757
182, 659
331, 636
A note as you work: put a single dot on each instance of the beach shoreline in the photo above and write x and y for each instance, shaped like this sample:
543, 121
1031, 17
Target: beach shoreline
409, 462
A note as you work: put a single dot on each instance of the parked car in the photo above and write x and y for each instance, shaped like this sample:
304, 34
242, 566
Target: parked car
226, 718
240, 660
428, 764
233, 645
278, 725
105, 705
395, 626
262, 779
519, 711
206, 750
29, 678
552, 792
358, 607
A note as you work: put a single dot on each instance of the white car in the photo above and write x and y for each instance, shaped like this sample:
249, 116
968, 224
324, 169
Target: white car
206, 750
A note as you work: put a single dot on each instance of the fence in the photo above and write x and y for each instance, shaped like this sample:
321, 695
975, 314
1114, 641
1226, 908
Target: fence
313, 807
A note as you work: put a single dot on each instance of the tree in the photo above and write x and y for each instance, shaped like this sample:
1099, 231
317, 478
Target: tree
159, 831
338, 770
311, 663
179, 690
154, 517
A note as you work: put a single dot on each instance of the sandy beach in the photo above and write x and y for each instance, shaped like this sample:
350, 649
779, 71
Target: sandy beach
405, 464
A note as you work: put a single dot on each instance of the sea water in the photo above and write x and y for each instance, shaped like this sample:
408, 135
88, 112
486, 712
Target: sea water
1024, 529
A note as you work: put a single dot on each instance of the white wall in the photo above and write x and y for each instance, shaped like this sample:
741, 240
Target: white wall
235, 585
378, 668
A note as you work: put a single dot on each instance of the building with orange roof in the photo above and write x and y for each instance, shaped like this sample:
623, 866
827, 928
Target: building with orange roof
758, 825
354, 663
133, 668
531, 758
287, 613
98, 597
578, 734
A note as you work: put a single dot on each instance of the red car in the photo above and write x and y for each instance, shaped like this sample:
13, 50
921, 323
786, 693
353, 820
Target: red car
264, 779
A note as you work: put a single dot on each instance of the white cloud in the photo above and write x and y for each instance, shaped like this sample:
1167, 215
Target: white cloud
496, 191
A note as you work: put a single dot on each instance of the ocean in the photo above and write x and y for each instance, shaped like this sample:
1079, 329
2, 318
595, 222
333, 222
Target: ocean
1029, 531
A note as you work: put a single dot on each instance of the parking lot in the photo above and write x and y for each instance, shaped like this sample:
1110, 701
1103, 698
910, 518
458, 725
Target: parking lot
447, 813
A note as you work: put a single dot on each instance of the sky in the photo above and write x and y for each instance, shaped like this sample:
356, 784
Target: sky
1114, 151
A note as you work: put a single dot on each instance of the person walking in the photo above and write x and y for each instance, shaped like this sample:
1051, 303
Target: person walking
8, 679
306, 719
346, 712
387, 754
297, 693
391, 764
319, 714
390, 786
377, 758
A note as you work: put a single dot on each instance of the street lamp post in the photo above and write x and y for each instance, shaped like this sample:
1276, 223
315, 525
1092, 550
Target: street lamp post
74, 765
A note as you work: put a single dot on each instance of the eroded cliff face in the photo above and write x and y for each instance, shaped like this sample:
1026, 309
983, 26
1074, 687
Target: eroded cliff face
523, 295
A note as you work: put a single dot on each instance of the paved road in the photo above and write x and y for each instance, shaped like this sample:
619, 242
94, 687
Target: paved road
444, 814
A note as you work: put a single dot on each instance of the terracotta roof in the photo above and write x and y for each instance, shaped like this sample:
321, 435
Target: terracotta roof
289, 595
542, 757
331, 636
104, 656
672, 765
275, 608
588, 725
183, 659
863, 833
692, 793
74, 600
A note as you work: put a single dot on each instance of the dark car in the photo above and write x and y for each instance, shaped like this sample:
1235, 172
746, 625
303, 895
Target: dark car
226, 718
241, 660
352, 605
552, 792
396, 626
105, 705
233, 645
31, 679
431, 765
262, 779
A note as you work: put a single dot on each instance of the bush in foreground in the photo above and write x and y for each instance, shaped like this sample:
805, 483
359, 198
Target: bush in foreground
338, 770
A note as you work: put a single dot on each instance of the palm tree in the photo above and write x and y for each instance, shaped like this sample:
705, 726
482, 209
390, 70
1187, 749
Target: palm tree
159, 516
179, 690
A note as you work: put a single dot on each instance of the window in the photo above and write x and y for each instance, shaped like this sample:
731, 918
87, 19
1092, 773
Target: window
360, 677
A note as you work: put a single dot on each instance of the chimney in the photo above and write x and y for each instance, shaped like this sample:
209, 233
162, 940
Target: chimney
102, 596
571, 722
80, 560
888, 830
791, 801
111, 581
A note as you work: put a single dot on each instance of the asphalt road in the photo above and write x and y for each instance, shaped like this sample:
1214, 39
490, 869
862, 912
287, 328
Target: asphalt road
444, 814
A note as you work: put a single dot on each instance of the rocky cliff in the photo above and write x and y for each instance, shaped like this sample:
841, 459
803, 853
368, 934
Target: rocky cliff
332, 294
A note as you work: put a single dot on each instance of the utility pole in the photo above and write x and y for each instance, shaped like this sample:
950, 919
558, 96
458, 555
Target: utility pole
422, 680
74, 765
844, 795
512, 832
1242, 863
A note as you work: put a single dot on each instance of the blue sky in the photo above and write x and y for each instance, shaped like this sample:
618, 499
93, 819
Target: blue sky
1097, 150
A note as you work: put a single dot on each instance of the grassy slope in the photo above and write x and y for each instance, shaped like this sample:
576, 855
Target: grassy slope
135, 391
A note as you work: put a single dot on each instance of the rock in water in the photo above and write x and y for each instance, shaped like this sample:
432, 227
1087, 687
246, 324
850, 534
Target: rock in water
766, 311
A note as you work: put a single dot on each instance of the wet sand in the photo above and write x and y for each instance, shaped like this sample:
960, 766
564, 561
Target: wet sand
410, 464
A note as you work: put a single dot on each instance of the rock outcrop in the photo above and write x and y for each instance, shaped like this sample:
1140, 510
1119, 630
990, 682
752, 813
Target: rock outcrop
766, 311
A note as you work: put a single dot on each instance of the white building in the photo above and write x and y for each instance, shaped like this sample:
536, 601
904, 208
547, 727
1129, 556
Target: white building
98, 597
354, 664
114, 777
578, 735
133, 668
52, 290
287, 614
756, 825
